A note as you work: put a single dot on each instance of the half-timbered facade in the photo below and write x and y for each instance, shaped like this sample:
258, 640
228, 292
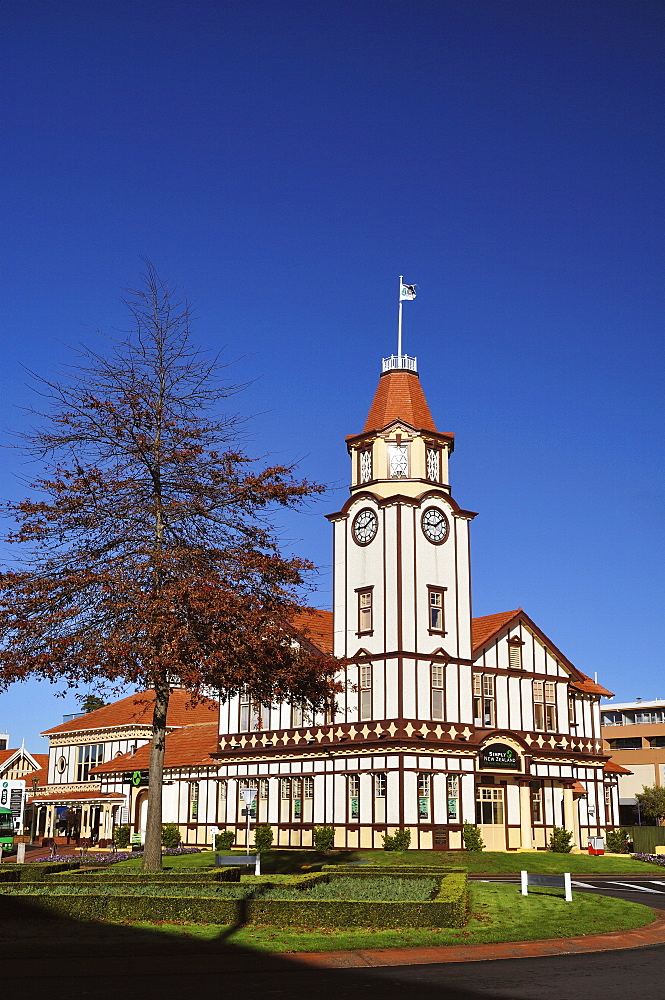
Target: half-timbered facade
443, 719
73, 800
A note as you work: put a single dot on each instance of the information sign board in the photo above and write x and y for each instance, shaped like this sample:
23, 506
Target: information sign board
499, 756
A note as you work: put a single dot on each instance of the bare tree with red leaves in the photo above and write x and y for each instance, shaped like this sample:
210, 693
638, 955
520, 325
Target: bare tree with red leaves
148, 557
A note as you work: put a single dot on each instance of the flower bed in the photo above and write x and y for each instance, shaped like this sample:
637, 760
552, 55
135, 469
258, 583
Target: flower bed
111, 858
654, 859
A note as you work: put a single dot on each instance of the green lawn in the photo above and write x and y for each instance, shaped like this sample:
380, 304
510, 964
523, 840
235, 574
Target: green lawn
491, 862
498, 862
497, 913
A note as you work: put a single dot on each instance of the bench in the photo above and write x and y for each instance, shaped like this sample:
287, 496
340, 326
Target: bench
225, 860
556, 881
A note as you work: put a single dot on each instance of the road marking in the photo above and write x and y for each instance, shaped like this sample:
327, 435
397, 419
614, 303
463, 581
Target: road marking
655, 881
638, 888
585, 885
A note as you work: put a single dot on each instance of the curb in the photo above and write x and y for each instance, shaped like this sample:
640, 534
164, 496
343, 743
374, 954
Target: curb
639, 937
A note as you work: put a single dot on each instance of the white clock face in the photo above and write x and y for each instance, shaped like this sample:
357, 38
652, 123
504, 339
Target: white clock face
435, 525
365, 526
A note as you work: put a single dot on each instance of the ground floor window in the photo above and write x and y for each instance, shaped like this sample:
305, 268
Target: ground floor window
423, 796
453, 798
489, 806
537, 804
193, 801
354, 796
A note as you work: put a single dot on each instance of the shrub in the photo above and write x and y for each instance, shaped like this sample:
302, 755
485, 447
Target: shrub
263, 837
224, 840
171, 837
617, 841
324, 838
121, 836
473, 840
399, 841
560, 841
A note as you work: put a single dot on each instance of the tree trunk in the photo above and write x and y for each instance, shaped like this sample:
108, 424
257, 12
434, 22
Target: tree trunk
152, 850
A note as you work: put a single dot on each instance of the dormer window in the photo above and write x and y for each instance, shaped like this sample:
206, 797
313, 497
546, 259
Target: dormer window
365, 464
399, 461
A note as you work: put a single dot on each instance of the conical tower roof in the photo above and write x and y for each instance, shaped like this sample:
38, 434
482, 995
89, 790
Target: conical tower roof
399, 396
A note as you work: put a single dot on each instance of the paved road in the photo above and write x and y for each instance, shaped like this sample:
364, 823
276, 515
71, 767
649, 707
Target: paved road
634, 889
599, 976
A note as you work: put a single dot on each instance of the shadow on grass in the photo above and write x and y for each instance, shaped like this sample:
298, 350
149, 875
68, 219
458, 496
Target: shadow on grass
43, 954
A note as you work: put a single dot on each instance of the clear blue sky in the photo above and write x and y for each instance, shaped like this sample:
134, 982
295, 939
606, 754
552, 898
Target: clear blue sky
283, 162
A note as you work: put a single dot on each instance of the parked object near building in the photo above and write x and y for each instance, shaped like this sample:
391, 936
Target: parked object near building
634, 735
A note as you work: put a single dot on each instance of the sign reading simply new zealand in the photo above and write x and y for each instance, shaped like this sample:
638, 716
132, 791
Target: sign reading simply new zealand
499, 755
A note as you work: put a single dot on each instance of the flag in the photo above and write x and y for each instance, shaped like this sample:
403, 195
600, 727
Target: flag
406, 292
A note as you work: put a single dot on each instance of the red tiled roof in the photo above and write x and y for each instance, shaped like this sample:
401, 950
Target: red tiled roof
190, 746
137, 709
587, 686
579, 788
484, 628
41, 775
317, 626
41, 758
90, 796
615, 768
399, 396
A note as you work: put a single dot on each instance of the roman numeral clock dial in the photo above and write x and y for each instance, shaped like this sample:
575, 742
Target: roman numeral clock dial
365, 526
435, 525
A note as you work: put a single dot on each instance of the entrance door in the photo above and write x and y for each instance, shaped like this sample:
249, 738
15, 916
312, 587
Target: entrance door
141, 814
490, 817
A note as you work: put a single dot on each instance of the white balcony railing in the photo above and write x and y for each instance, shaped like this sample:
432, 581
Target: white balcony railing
396, 361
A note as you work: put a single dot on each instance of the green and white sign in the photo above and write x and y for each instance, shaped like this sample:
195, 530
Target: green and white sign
138, 779
499, 756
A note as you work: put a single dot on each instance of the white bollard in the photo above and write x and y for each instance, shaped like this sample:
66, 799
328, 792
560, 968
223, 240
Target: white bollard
20, 854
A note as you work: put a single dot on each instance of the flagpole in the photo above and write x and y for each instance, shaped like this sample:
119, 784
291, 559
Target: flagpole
399, 319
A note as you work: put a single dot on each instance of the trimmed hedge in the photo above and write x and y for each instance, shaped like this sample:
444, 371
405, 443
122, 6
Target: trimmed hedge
447, 909
415, 870
36, 872
138, 875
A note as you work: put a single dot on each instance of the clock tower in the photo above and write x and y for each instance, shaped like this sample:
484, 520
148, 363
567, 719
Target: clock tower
402, 599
